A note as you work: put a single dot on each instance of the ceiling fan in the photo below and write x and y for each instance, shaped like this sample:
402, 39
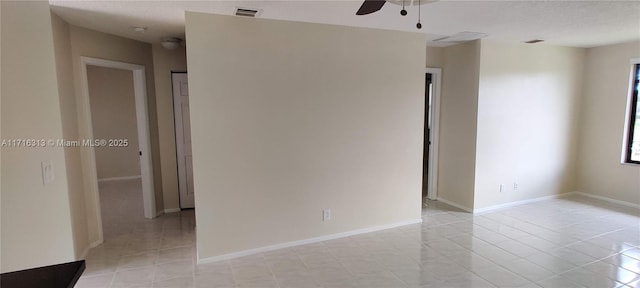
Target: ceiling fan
371, 6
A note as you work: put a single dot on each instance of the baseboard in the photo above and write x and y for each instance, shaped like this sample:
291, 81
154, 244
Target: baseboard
120, 178
517, 203
306, 241
607, 199
86, 250
171, 210
454, 204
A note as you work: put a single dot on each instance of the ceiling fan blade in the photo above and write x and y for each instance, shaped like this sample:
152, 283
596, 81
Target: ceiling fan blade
370, 6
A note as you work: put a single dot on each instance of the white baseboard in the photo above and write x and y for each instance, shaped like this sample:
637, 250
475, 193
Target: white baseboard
86, 250
305, 241
454, 204
517, 203
171, 210
120, 178
607, 199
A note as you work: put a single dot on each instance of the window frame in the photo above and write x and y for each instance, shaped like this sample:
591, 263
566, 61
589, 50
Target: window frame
632, 113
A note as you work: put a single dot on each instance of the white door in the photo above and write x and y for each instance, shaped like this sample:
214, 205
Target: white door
183, 138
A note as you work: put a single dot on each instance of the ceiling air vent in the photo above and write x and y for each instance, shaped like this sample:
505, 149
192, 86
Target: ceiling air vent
247, 12
534, 41
462, 37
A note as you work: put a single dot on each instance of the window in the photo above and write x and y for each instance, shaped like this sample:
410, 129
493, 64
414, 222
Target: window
632, 153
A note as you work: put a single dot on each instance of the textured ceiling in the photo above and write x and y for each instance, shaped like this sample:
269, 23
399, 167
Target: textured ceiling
566, 23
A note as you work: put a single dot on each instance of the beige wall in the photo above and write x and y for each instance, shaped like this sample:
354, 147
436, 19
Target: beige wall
64, 72
85, 42
602, 125
458, 116
529, 97
435, 57
113, 116
164, 62
1, 269
37, 225
292, 118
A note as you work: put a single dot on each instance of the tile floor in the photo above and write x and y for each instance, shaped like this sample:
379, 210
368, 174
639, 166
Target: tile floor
121, 206
567, 242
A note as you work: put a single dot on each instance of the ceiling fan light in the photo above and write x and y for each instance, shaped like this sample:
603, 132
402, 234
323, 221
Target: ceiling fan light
171, 43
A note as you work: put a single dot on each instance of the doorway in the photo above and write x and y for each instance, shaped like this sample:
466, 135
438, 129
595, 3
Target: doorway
431, 133
88, 153
182, 122
113, 117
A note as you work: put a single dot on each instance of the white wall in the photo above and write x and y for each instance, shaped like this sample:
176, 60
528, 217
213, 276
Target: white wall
602, 125
458, 114
435, 57
291, 118
113, 116
165, 61
64, 73
529, 96
36, 221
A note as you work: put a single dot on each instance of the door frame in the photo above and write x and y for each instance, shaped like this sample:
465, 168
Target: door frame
434, 135
179, 133
85, 129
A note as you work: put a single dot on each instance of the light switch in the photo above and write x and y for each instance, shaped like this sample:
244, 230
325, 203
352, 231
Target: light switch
326, 214
47, 172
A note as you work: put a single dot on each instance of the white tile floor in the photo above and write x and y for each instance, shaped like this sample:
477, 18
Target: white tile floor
121, 206
568, 242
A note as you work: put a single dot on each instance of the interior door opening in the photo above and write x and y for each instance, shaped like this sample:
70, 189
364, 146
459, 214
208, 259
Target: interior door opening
141, 157
113, 117
431, 134
428, 92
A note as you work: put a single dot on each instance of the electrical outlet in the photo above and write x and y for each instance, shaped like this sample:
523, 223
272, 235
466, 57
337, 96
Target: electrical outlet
501, 188
515, 186
326, 214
